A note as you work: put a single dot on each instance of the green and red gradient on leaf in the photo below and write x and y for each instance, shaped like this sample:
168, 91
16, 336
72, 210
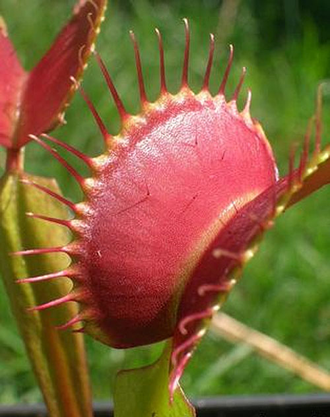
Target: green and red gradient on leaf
172, 210
34, 102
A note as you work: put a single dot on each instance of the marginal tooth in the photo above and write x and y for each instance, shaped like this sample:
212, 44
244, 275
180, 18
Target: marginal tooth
201, 333
249, 254
232, 283
216, 308
280, 208
90, 183
61, 116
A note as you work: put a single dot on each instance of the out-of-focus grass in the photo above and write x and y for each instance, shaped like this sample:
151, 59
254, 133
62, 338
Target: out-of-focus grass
284, 291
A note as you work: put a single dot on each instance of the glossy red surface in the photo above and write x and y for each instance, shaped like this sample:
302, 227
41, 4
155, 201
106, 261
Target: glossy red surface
173, 179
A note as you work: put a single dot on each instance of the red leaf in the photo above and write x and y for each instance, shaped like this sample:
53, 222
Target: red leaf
49, 87
12, 77
218, 269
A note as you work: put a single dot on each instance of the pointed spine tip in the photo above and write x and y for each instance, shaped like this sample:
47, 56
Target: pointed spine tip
185, 68
53, 303
218, 288
209, 64
92, 25
104, 132
224, 253
46, 277
51, 193
42, 251
80, 180
182, 349
86, 159
61, 222
3, 27
180, 357
227, 71
113, 91
75, 82
70, 323
138, 64
177, 373
208, 313
246, 110
163, 87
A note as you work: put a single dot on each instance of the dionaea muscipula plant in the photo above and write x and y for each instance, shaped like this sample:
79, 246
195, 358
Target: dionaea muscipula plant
172, 210
32, 103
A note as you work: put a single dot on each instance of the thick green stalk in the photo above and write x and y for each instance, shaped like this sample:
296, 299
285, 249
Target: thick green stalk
144, 392
57, 357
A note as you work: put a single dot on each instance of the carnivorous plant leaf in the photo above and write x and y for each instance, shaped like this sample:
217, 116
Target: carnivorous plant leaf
58, 358
12, 78
172, 211
34, 102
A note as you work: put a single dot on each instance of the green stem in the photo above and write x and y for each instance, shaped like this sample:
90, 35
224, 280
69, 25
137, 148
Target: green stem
15, 160
144, 391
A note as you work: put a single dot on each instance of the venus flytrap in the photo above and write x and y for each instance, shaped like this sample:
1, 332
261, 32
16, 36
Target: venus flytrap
35, 102
172, 211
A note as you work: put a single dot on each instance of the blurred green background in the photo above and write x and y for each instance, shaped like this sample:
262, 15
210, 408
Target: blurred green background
285, 289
